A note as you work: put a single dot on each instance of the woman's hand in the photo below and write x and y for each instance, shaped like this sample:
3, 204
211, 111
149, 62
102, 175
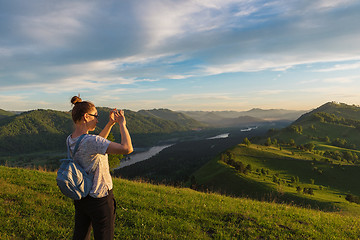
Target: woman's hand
125, 147
120, 117
112, 118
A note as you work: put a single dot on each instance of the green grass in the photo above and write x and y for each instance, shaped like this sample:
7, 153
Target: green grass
31, 207
331, 181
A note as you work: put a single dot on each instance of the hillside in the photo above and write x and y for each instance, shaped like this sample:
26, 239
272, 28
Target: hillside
281, 174
36, 130
332, 124
338, 109
319, 152
40, 130
4, 113
31, 207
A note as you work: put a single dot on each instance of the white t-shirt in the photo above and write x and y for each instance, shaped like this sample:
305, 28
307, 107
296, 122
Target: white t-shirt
91, 155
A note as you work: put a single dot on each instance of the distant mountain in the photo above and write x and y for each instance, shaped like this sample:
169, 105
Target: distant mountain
273, 114
234, 119
242, 121
177, 117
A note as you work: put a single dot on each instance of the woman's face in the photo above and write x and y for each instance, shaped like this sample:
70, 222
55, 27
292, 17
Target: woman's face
92, 119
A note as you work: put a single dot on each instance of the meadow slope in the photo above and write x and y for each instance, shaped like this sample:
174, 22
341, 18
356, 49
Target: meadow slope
31, 207
273, 173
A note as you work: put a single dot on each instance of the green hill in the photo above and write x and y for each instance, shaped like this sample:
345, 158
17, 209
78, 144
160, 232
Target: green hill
4, 114
32, 207
282, 175
37, 138
40, 130
338, 109
332, 124
33, 131
314, 161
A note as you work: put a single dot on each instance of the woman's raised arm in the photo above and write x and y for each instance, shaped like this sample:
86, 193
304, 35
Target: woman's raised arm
125, 147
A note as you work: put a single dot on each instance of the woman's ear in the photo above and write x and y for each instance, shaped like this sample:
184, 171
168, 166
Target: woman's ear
86, 116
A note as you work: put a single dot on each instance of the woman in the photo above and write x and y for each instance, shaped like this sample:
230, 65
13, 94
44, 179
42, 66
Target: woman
98, 208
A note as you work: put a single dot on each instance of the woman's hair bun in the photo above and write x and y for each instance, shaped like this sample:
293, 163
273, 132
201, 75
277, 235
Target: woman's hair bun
75, 100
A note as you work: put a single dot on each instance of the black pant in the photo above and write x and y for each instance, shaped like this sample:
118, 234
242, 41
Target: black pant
98, 213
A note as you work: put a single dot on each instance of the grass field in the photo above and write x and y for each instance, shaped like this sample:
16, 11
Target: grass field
31, 207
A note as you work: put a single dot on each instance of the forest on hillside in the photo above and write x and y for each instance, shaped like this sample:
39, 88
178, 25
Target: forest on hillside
45, 130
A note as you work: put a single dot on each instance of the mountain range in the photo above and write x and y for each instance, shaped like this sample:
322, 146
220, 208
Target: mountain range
242, 118
35, 130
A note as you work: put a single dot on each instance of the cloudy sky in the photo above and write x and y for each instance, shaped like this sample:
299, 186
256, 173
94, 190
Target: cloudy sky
179, 54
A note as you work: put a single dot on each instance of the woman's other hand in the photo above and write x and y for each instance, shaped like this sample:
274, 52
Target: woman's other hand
120, 117
112, 117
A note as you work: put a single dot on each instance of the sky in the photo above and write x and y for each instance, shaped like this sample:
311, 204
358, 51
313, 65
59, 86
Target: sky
205, 55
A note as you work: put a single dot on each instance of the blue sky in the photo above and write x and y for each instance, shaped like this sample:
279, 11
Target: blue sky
181, 55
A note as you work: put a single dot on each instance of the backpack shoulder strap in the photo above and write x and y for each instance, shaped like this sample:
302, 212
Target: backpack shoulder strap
76, 146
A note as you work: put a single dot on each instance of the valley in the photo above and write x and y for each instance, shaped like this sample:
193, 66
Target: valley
311, 162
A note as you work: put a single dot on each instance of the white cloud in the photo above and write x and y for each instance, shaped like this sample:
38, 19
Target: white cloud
127, 45
341, 80
326, 4
249, 65
340, 67
178, 76
55, 26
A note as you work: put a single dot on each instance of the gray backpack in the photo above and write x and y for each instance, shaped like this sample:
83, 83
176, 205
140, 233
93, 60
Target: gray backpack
72, 179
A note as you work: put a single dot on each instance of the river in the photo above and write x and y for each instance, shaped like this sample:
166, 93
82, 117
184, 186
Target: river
224, 135
141, 156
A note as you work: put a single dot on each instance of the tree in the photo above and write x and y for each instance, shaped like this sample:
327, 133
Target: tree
296, 129
246, 142
268, 141
352, 198
249, 167
308, 191
295, 179
348, 156
292, 142
238, 165
309, 146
